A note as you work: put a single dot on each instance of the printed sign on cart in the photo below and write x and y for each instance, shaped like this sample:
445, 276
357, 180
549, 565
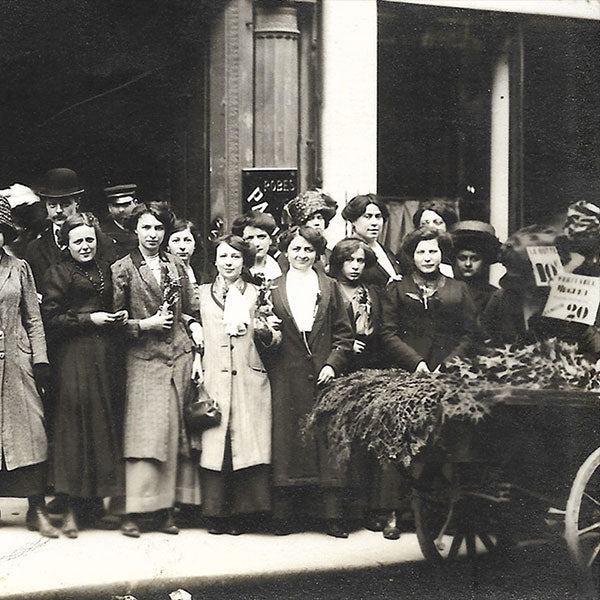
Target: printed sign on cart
573, 298
546, 264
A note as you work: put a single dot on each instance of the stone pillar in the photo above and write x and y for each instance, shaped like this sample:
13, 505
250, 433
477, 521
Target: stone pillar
275, 85
230, 107
349, 117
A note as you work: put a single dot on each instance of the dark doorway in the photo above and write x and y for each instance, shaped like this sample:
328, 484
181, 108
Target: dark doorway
115, 90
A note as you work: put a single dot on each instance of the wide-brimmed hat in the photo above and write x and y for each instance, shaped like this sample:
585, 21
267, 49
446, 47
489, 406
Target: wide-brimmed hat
124, 191
299, 210
477, 236
7, 227
60, 183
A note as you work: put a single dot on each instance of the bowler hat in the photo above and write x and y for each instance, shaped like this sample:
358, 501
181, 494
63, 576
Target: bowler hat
7, 226
478, 236
60, 183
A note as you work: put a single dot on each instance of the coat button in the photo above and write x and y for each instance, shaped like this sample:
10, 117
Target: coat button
2, 355
169, 363
169, 340
310, 377
234, 372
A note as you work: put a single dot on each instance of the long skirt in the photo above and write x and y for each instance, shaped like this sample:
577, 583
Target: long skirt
23, 482
152, 485
87, 457
228, 493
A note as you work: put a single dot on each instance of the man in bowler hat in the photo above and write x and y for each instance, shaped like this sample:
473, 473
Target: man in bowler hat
61, 191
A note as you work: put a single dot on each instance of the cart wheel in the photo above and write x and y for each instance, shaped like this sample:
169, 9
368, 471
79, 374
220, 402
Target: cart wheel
582, 518
450, 525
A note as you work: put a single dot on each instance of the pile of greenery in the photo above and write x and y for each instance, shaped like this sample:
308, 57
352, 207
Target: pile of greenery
396, 413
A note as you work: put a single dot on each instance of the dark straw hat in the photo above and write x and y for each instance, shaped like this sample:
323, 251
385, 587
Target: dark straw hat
60, 183
477, 236
7, 226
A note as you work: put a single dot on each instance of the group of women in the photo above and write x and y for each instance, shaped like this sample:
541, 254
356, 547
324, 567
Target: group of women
130, 344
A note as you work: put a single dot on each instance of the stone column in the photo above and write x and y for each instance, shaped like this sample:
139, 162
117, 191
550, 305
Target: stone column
275, 85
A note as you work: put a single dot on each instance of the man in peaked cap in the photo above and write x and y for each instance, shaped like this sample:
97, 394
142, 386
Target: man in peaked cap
61, 191
120, 201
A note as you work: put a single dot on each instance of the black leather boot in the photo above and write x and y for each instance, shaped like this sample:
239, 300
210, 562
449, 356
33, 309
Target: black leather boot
37, 518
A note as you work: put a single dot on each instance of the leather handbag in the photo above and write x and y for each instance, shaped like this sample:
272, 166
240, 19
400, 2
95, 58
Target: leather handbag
202, 412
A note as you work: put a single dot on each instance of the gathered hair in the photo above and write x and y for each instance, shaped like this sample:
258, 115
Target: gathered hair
254, 218
313, 236
442, 207
159, 210
247, 251
412, 240
344, 250
76, 220
358, 205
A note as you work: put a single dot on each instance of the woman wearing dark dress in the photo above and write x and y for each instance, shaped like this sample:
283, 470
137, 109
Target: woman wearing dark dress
375, 487
367, 214
316, 345
83, 330
24, 376
427, 317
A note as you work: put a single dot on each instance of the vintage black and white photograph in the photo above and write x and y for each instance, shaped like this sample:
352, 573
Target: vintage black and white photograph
299, 299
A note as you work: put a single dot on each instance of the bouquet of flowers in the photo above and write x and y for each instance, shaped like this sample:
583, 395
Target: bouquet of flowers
171, 292
266, 323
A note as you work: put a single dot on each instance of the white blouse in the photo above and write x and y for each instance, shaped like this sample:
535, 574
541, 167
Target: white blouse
302, 289
153, 263
270, 271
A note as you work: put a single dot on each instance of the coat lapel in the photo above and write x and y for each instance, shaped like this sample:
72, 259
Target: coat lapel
325, 289
6, 267
146, 274
281, 290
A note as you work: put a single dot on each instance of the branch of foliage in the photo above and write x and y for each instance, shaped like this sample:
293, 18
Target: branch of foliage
395, 413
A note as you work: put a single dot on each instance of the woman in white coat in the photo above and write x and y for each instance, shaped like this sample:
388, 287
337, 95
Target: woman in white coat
234, 473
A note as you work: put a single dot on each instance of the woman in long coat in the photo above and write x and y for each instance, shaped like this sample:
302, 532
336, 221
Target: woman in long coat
235, 473
24, 373
427, 317
316, 344
77, 312
154, 288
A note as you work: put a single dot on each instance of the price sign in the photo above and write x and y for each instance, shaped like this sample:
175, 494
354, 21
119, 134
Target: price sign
546, 264
573, 298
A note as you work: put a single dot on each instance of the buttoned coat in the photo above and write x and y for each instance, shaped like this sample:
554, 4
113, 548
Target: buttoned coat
300, 460
411, 333
22, 344
234, 375
154, 358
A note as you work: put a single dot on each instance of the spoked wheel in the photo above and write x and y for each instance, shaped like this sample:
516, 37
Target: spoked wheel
582, 518
449, 522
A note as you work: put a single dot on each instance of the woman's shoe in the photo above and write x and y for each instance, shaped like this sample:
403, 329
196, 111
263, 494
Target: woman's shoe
37, 520
217, 526
130, 528
69, 526
336, 528
282, 527
391, 532
167, 523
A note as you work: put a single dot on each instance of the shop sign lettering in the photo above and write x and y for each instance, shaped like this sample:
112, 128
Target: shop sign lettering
545, 263
573, 298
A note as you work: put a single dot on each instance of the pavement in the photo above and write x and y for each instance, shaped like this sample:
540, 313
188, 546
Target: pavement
106, 564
